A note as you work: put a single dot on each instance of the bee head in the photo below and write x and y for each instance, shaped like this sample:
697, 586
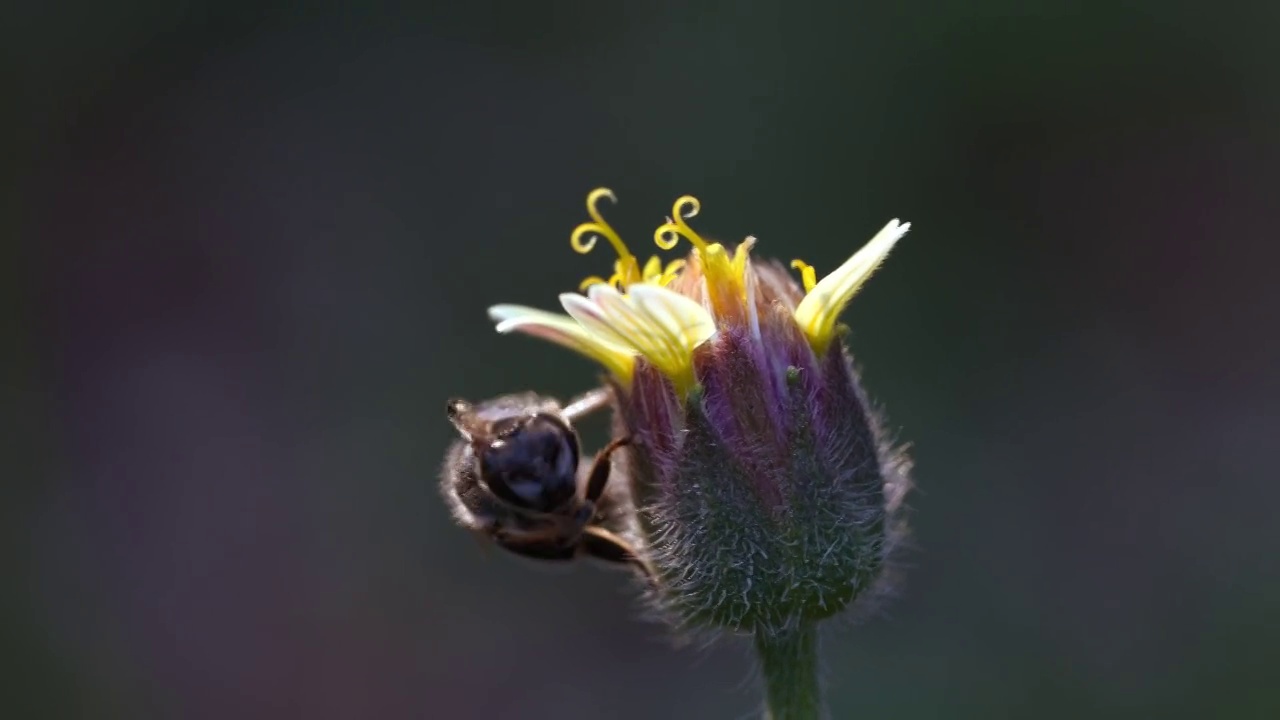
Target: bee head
530, 461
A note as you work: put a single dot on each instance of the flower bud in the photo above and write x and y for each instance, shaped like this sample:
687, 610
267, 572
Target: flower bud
767, 495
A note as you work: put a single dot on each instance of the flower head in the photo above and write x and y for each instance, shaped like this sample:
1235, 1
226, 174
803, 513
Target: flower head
663, 312
768, 496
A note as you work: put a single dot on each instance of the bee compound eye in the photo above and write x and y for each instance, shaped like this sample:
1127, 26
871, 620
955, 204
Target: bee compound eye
533, 465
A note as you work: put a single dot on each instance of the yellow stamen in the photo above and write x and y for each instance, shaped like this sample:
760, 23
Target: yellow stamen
592, 280
807, 274
725, 276
670, 233
670, 273
652, 269
655, 273
585, 235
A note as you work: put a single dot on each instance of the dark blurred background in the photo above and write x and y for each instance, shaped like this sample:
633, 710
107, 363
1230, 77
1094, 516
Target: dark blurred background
252, 247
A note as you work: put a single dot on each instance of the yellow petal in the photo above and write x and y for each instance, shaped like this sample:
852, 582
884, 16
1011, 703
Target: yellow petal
652, 321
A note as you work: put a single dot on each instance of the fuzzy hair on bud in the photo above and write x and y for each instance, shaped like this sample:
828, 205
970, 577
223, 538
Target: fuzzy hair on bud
769, 496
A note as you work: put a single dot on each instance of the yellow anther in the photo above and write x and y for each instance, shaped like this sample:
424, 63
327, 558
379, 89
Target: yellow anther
807, 274
667, 235
652, 269
593, 280
585, 235
673, 270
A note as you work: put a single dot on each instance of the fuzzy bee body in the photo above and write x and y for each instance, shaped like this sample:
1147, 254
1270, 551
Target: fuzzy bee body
516, 476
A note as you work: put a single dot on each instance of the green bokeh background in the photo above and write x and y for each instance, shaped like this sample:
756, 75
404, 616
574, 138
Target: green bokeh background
252, 250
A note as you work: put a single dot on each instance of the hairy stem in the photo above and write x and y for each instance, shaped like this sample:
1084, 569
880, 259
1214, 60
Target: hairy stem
789, 664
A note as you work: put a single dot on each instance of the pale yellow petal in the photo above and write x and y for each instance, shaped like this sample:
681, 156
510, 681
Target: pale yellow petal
564, 331
818, 311
681, 317
640, 331
592, 318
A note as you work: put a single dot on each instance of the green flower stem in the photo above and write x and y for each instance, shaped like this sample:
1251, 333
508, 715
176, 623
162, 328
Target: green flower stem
789, 663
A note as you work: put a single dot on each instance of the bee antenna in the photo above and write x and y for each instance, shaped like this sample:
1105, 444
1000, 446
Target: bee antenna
456, 407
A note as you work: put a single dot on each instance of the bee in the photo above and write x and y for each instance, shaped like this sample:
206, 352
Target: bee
517, 476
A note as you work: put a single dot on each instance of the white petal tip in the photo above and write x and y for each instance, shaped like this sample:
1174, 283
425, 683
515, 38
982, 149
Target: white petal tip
514, 317
503, 313
896, 227
601, 290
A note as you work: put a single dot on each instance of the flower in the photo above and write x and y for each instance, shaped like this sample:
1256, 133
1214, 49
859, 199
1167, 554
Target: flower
767, 494
635, 313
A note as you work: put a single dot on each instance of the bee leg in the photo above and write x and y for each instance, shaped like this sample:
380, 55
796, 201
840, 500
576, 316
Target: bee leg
587, 403
600, 470
604, 545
